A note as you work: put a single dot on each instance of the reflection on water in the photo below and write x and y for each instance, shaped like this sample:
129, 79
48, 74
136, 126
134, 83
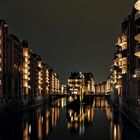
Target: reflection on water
93, 120
83, 117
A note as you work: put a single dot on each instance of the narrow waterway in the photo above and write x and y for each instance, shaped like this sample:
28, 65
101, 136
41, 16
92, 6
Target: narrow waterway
96, 120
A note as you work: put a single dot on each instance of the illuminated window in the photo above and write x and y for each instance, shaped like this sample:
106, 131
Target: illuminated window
0, 82
0, 69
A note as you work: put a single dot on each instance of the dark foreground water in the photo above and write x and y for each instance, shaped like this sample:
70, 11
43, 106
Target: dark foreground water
94, 121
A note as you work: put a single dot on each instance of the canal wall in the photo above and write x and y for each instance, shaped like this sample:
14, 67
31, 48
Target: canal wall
12, 107
130, 108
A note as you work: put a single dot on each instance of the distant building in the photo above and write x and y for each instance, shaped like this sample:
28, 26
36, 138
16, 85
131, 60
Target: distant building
100, 88
89, 83
46, 79
80, 82
109, 85
63, 88
76, 83
54, 82
104, 87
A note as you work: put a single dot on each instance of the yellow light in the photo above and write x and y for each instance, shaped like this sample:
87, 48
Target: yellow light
0, 33
39, 64
117, 86
134, 76
25, 52
137, 54
25, 77
29, 129
137, 37
25, 84
137, 5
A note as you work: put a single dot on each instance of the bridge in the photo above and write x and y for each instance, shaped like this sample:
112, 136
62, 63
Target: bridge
60, 95
99, 94
78, 98
90, 94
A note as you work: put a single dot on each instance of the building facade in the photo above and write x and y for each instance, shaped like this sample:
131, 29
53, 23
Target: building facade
10, 65
81, 83
24, 77
89, 83
76, 83
55, 84
126, 66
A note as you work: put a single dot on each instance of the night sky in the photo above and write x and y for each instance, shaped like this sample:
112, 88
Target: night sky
70, 35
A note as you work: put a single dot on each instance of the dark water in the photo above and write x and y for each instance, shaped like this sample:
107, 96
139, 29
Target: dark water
94, 121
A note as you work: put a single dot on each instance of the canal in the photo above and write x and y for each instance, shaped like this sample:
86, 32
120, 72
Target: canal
95, 120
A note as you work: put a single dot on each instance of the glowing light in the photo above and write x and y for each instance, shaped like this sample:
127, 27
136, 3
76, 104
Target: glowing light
137, 5
137, 37
29, 129
117, 86
137, 54
134, 76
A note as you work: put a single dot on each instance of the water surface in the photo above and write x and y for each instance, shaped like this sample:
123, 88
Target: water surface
95, 120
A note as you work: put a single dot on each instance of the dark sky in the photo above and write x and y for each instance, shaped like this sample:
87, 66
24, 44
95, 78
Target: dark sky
69, 34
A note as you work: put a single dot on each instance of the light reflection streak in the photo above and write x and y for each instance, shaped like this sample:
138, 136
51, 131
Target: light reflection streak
78, 119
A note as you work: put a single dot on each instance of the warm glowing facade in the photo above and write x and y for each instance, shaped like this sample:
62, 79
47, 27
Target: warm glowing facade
63, 88
101, 88
52, 81
55, 85
81, 83
89, 83
120, 62
24, 78
46, 75
104, 87
33, 76
108, 85
26, 70
126, 65
76, 83
39, 74
137, 38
